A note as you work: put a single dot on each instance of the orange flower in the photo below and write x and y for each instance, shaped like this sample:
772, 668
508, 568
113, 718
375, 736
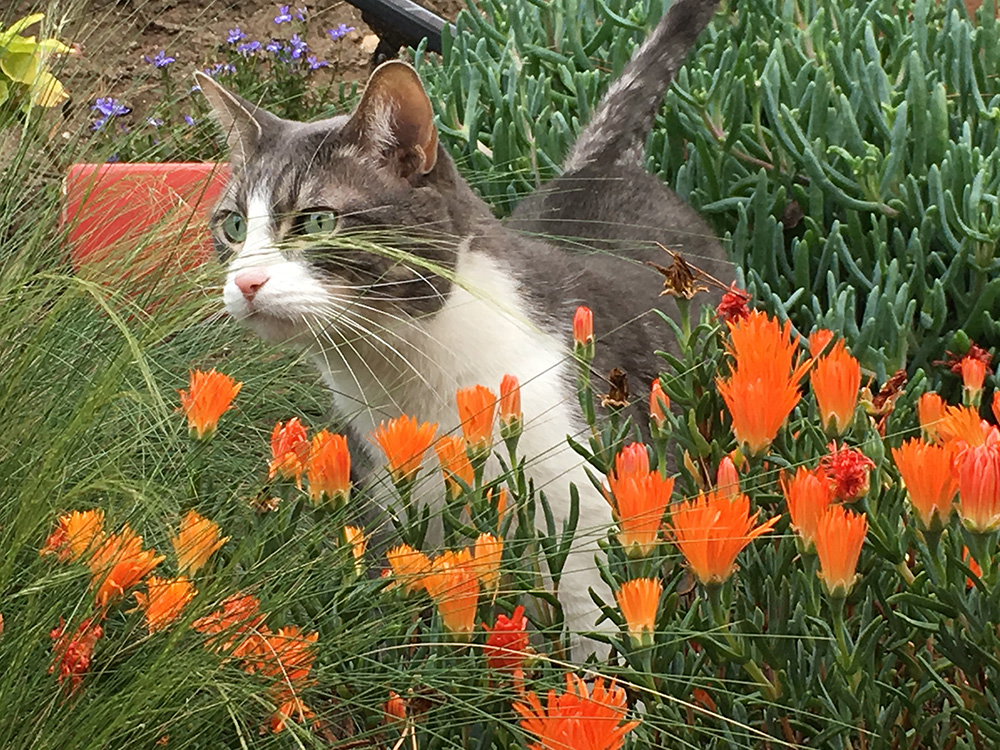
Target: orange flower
355, 537
76, 534
763, 388
930, 412
978, 473
659, 404
818, 341
511, 418
289, 451
973, 374
404, 443
578, 719
507, 643
455, 464
394, 708
807, 495
996, 405
926, 471
72, 651
847, 468
638, 498
286, 656
293, 708
712, 530
477, 409
208, 397
453, 584
329, 469
409, 566
487, 556
638, 600
839, 537
836, 381
119, 564
195, 542
963, 423
240, 614
167, 599
583, 326
727, 480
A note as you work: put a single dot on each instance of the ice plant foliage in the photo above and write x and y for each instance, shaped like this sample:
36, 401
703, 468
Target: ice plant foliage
764, 385
807, 495
404, 441
329, 469
289, 450
165, 600
208, 397
847, 469
197, 540
638, 499
840, 535
926, 470
836, 382
712, 529
578, 719
639, 600
76, 534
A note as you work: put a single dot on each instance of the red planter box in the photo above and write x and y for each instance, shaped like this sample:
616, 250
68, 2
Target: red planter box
131, 222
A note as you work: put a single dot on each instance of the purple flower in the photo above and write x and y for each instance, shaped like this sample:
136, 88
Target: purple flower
235, 35
283, 15
274, 46
154, 121
300, 14
315, 64
160, 59
220, 69
249, 48
297, 46
113, 158
340, 32
107, 108
189, 119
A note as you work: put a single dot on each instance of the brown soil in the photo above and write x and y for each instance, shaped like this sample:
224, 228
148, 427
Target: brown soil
115, 35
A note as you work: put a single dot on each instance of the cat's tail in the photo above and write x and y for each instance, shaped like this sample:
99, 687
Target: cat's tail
624, 117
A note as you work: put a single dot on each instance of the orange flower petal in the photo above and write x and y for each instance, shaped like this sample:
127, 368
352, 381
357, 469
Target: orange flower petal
208, 397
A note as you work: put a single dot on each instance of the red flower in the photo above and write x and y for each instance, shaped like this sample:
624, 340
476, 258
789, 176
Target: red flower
73, 651
583, 326
733, 306
507, 642
289, 450
848, 470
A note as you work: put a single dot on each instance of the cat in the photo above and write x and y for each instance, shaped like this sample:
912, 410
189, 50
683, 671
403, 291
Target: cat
461, 299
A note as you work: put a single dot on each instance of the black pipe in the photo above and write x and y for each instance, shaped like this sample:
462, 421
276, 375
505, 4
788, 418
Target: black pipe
400, 23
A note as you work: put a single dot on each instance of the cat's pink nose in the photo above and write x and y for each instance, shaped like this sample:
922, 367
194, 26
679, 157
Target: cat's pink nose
250, 281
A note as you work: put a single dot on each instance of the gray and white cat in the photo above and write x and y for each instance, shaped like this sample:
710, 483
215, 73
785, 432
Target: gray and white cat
461, 299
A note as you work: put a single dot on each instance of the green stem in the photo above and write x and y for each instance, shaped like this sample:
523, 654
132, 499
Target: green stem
840, 633
721, 617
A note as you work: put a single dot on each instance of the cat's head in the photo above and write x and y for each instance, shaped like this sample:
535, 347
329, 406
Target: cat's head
325, 225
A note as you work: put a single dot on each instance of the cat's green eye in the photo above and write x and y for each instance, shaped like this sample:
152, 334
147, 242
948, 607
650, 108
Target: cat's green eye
235, 228
318, 222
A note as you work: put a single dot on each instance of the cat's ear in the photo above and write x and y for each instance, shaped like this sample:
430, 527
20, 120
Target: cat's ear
396, 121
245, 124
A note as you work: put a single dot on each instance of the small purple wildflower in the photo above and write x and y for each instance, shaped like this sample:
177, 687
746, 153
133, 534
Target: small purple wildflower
283, 15
315, 64
154, 121
248, 48
340, 32
189, 119
274, 46
113, 158
300, 14
160, 59
235, 35
107, 108
297, 46
220, 69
